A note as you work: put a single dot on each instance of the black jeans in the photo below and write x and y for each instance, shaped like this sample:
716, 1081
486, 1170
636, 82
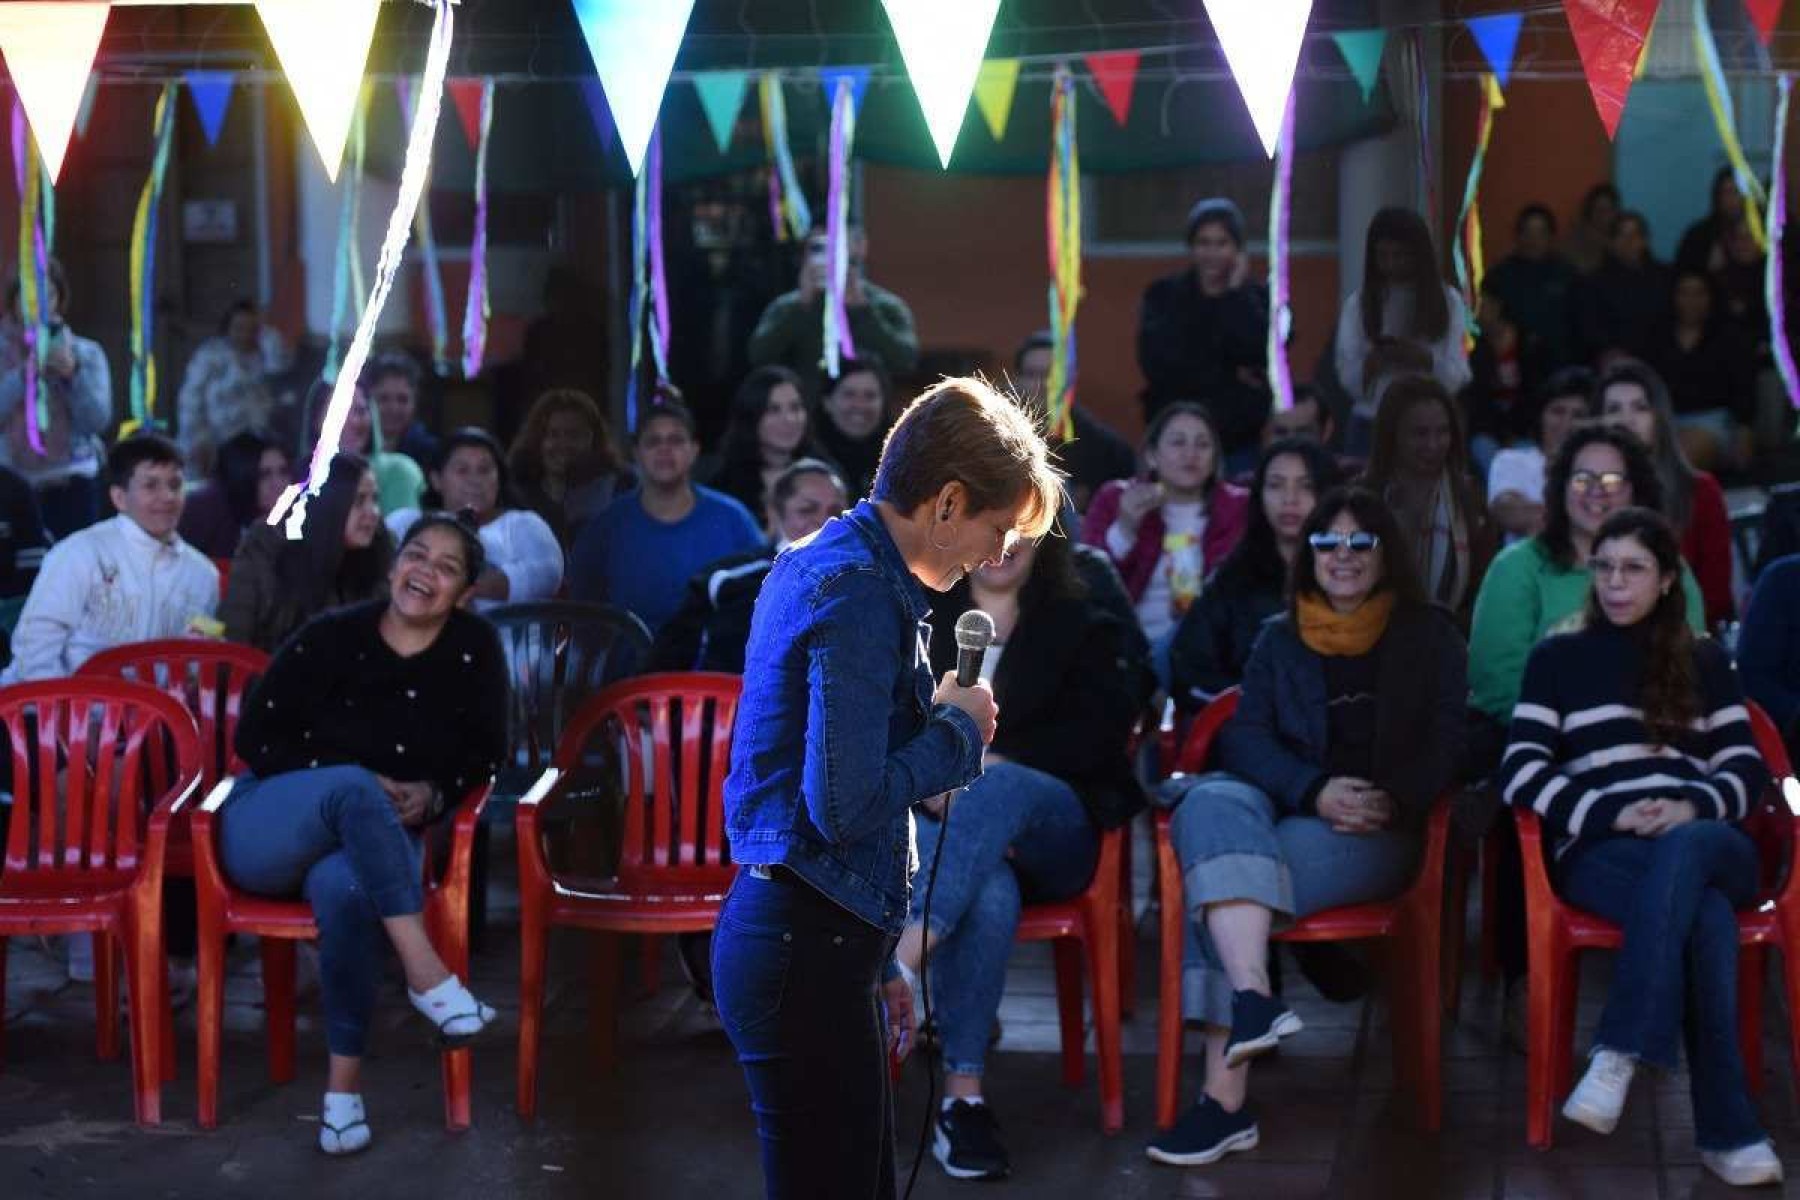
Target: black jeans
797, 979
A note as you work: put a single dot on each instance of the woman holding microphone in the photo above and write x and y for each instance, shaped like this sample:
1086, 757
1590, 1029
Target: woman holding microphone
839, 733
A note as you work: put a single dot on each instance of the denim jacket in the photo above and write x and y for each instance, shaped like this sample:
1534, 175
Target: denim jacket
836, 735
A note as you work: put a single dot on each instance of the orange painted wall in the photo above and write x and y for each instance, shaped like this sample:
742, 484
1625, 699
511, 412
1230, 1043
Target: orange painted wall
968, 254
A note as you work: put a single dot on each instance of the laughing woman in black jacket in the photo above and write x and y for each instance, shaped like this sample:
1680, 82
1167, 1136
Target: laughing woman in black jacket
1028, 830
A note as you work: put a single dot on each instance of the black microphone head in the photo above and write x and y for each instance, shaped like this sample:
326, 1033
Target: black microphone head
974, 630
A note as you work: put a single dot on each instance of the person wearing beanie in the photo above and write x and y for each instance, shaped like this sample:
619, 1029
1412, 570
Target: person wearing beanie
1203, 333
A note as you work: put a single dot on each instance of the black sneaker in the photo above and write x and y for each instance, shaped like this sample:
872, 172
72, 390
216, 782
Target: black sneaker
968, 1142
1205, 1134
1257, 1023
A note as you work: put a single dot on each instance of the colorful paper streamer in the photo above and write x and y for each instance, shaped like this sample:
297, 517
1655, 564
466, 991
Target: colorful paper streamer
858, 77
1775, 271
476, 308
143, 269
33, 283
795, 215
649, 287
1466, 252
1281, 315
837, 342
347, 271
1063, 194
416, 169
437, 316
1724, 115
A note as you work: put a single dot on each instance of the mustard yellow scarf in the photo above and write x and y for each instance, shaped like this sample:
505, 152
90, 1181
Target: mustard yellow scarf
1325, 630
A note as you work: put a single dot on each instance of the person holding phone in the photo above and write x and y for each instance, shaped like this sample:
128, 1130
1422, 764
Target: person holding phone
791, 331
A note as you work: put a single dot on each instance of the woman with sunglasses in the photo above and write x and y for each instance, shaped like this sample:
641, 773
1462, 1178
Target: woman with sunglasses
1349, 725
1632, 744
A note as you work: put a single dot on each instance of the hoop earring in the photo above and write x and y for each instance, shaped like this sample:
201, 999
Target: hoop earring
934, 541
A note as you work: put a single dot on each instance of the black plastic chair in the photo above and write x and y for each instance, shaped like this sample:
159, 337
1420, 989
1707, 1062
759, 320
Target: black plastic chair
558, 654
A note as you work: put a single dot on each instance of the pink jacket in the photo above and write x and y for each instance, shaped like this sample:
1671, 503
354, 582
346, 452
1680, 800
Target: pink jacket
1227, 508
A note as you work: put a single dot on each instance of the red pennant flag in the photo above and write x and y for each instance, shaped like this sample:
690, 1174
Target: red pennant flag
466, 95
1763, 15
1610, 36
1115, 73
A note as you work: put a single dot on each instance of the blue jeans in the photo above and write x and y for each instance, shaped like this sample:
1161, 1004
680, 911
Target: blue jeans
1053, 847
1234, 845
797, 978
330, 835
1676, 973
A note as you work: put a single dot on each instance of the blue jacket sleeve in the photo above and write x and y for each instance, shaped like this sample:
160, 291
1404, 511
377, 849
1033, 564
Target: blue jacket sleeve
1769, 642
853, 781
1250, 745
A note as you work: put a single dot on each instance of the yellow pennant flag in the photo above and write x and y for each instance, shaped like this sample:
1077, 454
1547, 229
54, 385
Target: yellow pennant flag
994, 85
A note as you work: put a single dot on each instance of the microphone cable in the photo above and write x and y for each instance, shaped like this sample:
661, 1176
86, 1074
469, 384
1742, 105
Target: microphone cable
930, 1056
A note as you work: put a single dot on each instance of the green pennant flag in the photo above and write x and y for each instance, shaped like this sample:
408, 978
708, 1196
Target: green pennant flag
722, 96
1362, 49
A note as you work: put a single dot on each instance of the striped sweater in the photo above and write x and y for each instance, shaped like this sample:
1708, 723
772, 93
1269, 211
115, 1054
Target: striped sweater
1579, 751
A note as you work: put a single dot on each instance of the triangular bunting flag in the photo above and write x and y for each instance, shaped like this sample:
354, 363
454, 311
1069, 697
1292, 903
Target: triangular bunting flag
994, 87
1763, 15
211, 91
85, 113
323, 46
1498, 37
49, 49
942, 42
1362, 49
634, 45
599, 113
721, 97
1610, 36
1261, 40
1115, 73
466, 95
859, 83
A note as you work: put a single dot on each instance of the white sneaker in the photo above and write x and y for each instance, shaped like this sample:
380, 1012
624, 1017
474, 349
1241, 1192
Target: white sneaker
1599, 1098
184, 981
1747, 1166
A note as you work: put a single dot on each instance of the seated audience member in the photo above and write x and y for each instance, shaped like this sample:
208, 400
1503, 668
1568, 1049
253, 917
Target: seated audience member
1167, 531
1308, 418
392, 381
854, 416
130, 579
1349, 726
1631, 396
1215, 636
1095, 455
370, 726
1507, 371
1632, 745
1515, 487
1625, 303
1538, 586
1404, 320
1738, 279
768, 430
23, 541
249, 474
1419, 467
1702, 243
1536, 286
277, 584
1709, 368
564, 461
711, 628
1586, 246
1779, 534
63, 470
790, 332
641, 551
1768, 648
523, 560
1203, 332
398, 480
1028, 830
225, 389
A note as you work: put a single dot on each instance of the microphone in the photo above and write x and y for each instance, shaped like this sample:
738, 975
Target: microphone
974, 634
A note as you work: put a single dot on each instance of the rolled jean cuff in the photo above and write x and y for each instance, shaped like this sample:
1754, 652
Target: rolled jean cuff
402, 898
346, 1039
972, 1069
1206, 995
1239, 877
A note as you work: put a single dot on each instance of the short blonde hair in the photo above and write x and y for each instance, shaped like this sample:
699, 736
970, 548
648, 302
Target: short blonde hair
964, 431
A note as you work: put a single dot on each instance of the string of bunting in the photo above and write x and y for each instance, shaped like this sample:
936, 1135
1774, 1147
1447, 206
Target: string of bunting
788, 210
476, 307
1718, 99
34, 283
1775, 268
1063, 189
1466, 251
143, 270
837, 341
1281, 313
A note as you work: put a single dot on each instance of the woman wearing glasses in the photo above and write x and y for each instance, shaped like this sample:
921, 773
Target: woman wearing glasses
1349, 725
1632, 744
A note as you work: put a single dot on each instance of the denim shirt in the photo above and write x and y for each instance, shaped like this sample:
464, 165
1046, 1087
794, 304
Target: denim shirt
836, 735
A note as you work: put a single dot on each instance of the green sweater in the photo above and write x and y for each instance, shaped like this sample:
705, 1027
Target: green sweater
792, 333
1525, 597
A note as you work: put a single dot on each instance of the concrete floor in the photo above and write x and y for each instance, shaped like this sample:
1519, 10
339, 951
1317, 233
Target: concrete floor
673, 1120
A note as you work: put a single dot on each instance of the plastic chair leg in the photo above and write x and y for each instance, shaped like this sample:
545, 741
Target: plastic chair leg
1545, 1002
1169, 1028
210, 1016
278, 1005
1068, 1009
458, 1081
534, 937
106, 995
1751, 977
142, 983
1103, 960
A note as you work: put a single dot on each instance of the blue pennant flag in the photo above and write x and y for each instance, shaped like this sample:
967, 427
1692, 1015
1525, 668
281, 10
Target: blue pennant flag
212, 96
1498, 37
859, 83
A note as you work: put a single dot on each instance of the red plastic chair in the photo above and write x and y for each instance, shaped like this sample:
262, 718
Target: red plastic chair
1411, 928
670, 736
1090, 926
1558, 932
98, 768
279, 924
